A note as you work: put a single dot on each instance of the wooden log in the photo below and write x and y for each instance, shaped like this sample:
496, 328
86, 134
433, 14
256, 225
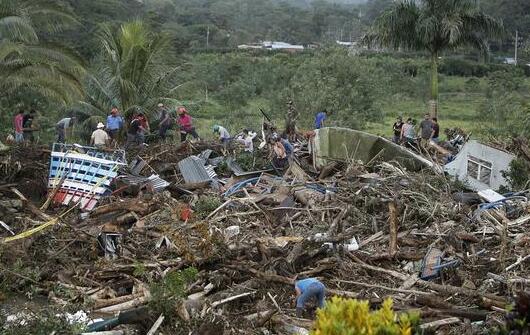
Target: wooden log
156, 325
32, 208
100, 303
439, 323
141, 206
124, 305
446, 289
194, 186
384, 287
224, 301
393, 224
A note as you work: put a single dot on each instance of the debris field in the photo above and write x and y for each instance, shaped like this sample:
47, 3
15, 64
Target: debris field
366, 230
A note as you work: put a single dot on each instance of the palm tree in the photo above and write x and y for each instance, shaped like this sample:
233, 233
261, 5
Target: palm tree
131, 72
434, 26
28, 62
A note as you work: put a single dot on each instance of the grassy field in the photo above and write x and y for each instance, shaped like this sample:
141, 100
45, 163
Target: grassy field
460, 102
455, 110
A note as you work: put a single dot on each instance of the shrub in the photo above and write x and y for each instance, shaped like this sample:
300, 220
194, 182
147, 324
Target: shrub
348, 316
166, 293
205, 205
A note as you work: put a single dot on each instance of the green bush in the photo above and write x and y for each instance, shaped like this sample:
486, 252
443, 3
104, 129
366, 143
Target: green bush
167, 292
348, 316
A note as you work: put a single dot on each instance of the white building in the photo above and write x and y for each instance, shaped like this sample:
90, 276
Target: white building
480, 166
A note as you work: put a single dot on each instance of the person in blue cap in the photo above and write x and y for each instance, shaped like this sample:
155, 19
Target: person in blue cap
306, 289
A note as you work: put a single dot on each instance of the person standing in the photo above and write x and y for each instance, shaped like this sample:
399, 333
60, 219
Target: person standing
144, 128
185, 123
164, 121
290, 121
307, 289
100, 138
62, 127
18, 123
114, 123
320, 118
408, 133
135, 133
247, 139
30, 126
426, 128
396, 128
435, 137
224, 137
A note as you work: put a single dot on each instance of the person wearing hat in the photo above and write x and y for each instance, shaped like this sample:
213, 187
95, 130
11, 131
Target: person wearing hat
100, 138
223, 135
114, 123
185, 123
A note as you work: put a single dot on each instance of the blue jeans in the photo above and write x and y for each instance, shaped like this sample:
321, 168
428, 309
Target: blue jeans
315, 290
19, 137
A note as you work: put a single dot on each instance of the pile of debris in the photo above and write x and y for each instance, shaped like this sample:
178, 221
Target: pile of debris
211, 248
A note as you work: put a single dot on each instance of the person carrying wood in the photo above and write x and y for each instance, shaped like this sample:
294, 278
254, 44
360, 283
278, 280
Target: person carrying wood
306, 289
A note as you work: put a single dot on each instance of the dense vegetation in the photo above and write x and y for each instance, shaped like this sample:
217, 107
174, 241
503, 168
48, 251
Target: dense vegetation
83, 57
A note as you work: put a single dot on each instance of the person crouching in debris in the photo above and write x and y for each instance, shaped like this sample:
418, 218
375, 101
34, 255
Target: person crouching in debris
280, 159
185, 123
223, 135
307, 289
100, 139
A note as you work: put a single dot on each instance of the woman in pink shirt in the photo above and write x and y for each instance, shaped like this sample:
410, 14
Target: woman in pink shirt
186, 124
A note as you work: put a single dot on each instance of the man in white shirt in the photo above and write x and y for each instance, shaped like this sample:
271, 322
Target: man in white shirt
247, 139
100, 138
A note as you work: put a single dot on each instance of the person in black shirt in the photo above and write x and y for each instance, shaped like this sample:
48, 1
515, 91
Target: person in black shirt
134, 133
397, 130
435, 137
29, 126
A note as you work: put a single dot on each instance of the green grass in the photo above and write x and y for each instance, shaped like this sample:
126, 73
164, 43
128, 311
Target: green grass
460, 102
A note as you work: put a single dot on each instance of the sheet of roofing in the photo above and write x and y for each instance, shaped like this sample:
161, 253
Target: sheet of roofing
82, 175
193, 170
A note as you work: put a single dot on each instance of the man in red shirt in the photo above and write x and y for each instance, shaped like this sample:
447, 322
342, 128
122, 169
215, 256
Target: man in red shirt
18, 123
186, 124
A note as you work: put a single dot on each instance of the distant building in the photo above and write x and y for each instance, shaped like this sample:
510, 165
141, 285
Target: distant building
268, 45
510, 61
282, 46
347, 44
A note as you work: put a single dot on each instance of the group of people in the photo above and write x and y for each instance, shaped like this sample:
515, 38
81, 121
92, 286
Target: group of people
25, 126
107, 134
406, 133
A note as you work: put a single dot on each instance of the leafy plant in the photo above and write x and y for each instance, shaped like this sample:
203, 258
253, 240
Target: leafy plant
45, 323
170, 289
205, 205
29, 62
348, 316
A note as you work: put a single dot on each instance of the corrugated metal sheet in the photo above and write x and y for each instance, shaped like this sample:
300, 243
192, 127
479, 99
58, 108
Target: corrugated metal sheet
194, 171
154, 181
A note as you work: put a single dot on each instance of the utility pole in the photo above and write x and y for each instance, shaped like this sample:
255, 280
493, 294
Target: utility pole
516, 44
207, 36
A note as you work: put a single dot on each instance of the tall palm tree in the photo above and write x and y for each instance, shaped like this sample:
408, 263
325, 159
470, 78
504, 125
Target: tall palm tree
29, 62
131, 73
434, 26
